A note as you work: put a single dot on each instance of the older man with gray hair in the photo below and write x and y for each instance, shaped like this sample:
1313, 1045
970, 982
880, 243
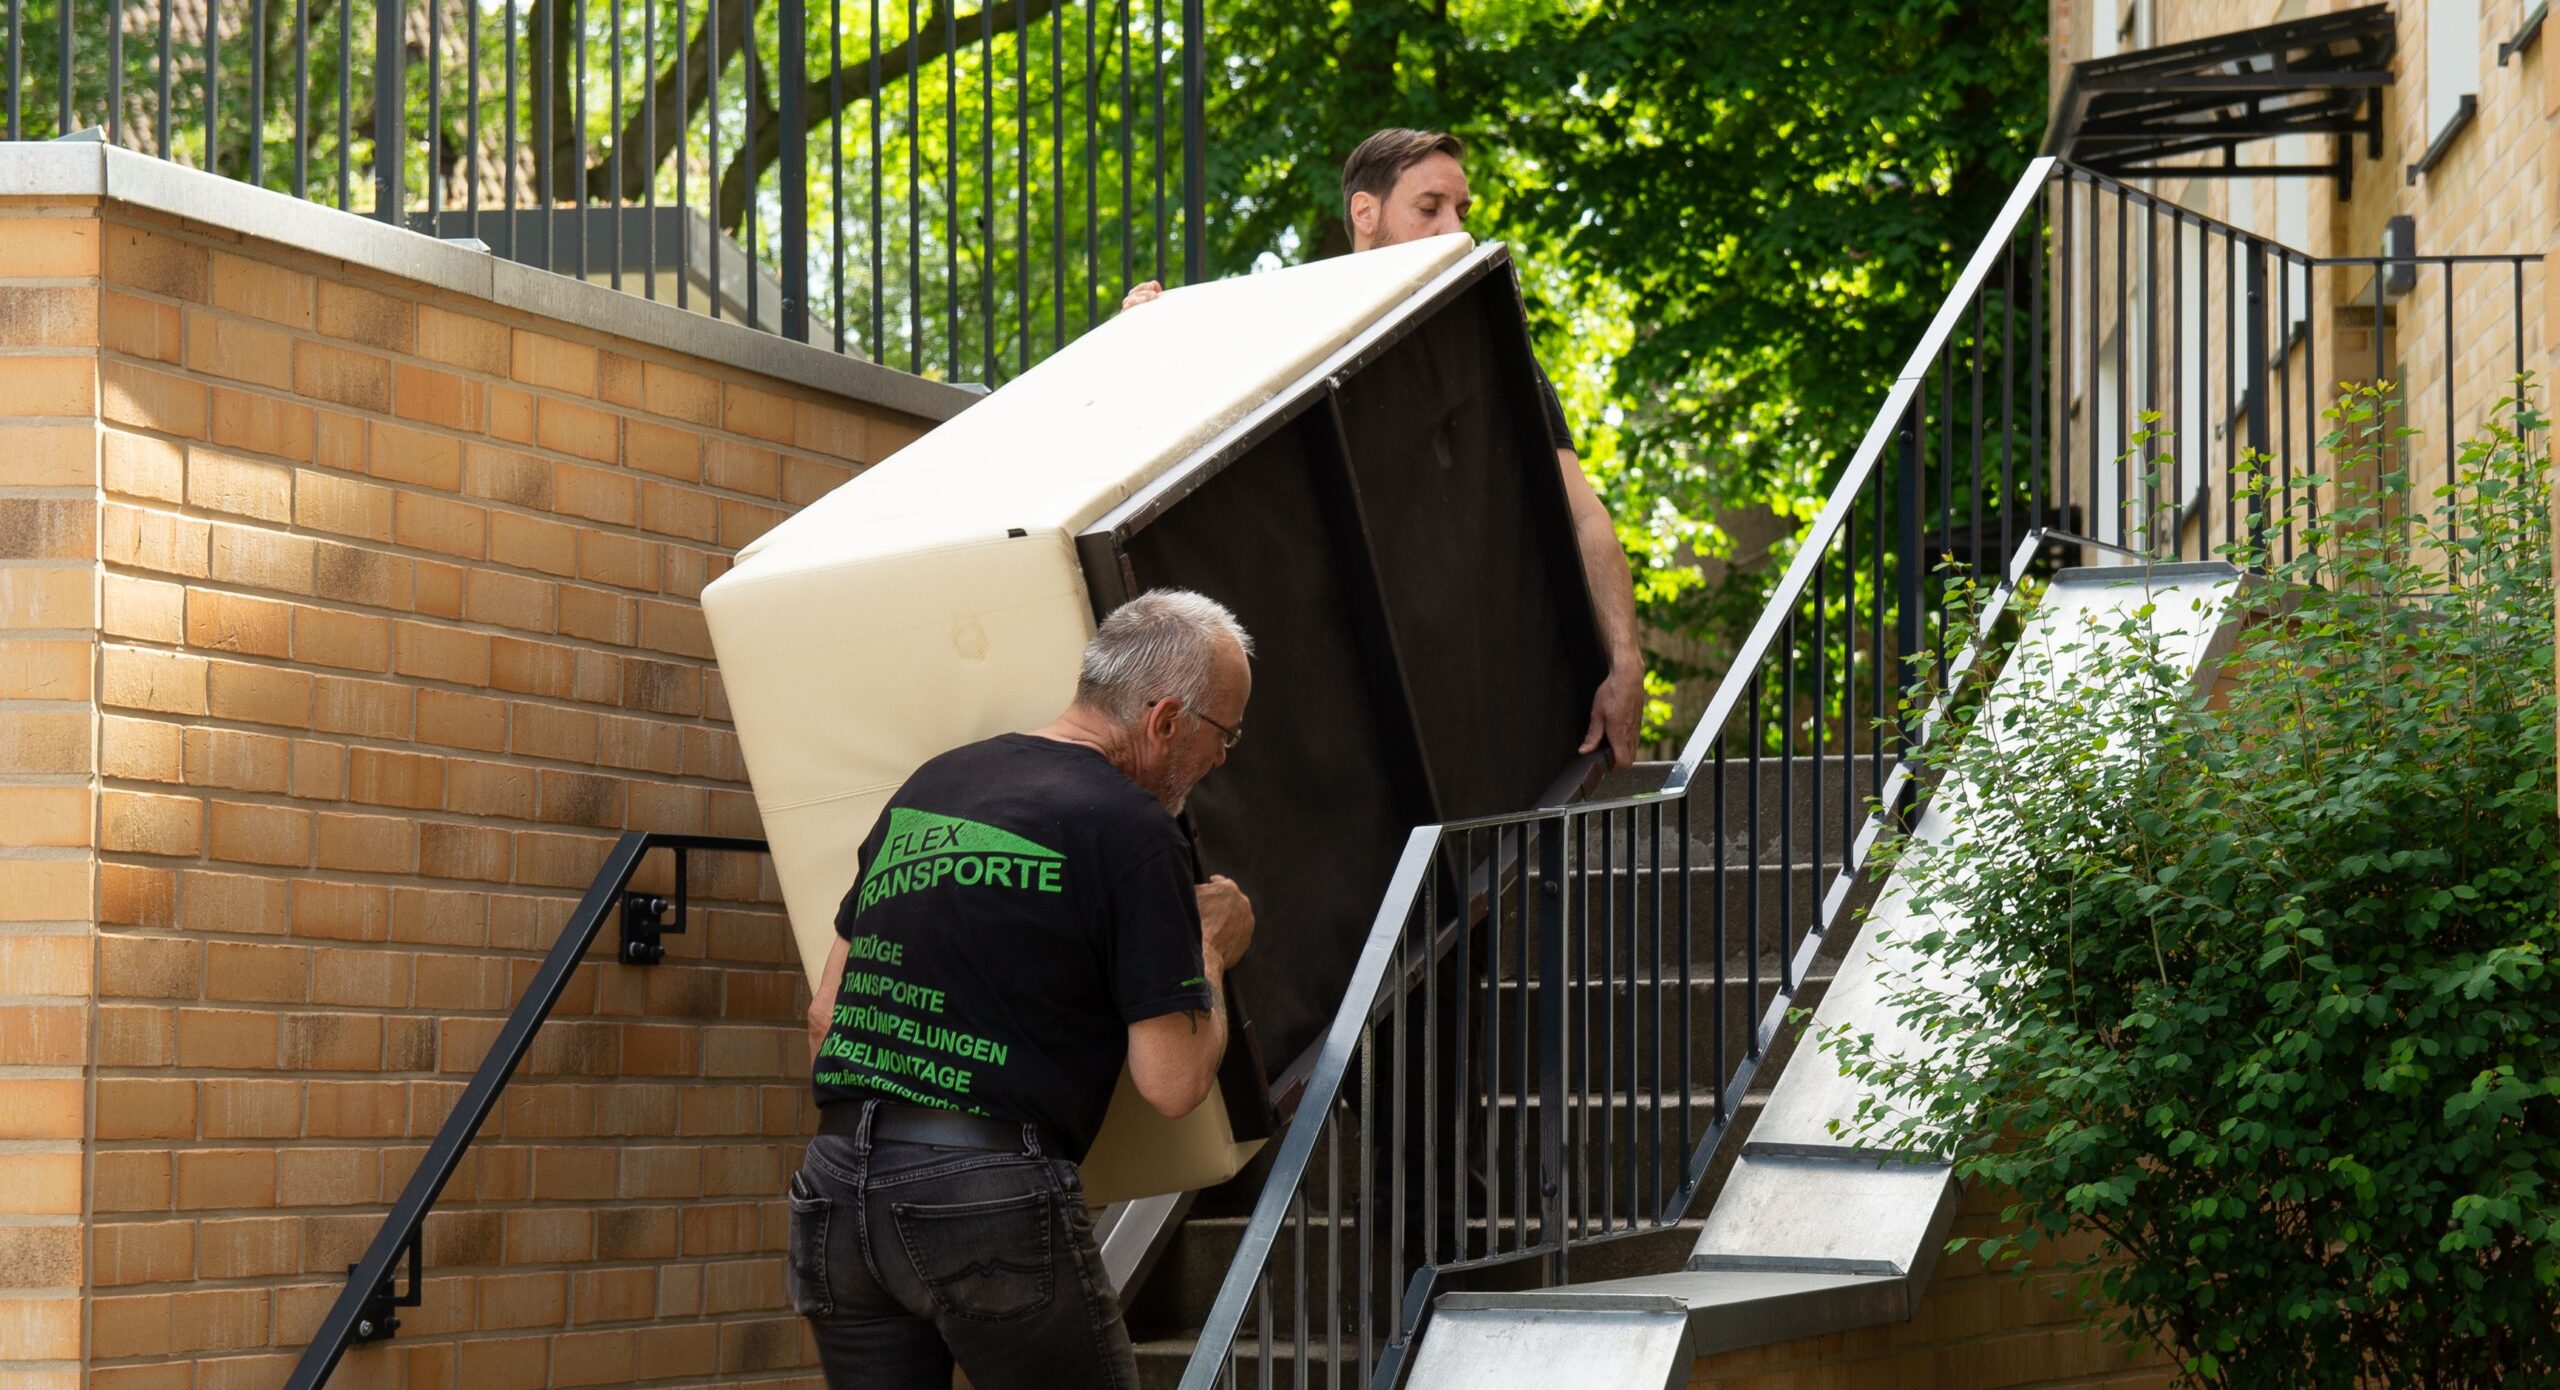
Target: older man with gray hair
1023, 921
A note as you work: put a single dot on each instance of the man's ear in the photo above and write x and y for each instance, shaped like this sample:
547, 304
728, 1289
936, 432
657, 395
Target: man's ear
1163, 717
1364, 216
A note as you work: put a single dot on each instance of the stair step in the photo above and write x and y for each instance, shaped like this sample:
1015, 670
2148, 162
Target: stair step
1178, 1295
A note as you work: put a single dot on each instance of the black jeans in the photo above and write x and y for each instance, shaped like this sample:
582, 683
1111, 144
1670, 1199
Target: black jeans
905, 1257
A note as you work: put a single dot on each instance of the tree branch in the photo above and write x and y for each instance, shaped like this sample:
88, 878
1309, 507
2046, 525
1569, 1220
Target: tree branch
820, 98
674, 108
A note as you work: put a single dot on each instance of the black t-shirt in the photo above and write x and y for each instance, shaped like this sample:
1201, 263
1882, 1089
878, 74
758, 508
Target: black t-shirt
1559, 430
1019, 904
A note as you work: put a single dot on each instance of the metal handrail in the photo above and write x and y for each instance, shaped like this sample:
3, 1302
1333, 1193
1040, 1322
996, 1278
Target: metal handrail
365, 1309
1999, 273
1369, 992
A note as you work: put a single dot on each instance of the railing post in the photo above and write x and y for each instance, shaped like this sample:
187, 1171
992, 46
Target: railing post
793, 103
1555, 1015
390, 107
2256, 379
1195, 135
1912, 564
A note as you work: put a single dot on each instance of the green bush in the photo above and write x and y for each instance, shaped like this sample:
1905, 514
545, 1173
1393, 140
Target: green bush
2259, 988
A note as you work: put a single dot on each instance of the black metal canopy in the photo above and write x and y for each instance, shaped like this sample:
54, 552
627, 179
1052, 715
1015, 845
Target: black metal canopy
2139, 113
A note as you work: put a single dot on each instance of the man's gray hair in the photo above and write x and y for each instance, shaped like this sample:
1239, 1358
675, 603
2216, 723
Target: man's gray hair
1163, 642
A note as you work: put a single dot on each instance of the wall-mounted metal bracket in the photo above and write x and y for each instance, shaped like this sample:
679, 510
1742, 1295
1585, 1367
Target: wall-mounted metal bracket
379, 1319
645, 920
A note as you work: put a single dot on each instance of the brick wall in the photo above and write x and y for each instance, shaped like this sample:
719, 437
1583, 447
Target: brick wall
346, 623
1975, 1329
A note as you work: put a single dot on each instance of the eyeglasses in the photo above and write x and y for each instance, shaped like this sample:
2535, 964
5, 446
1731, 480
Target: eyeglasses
1228, 738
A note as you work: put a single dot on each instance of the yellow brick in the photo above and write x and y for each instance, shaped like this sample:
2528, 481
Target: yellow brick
259, 559
152, 400
679, 394
234, 759
48, 316
158, 264
238, 623
253, 834
49, 386
137, 465
511, 414
61, 597
595, 493
355, 574
154, 540
40, 1329
141, 328
40, 1184
260, 290
509, 600
344, 506
44, 670
351, 641
264, 425
759, 414
373, 709
542, 360
146, 610
40, 741
662, 449
742, 468
165, 682
141, 749
532, 543
44, 816
577, 429
415, 456
135, 823
440, 524
48, 456
225, 482
54, 965
438, 653
827, 430
52, 246
259, 694
239, 350
367, 317
342, 375
436, 398
50, 1109
48, 528
460, 340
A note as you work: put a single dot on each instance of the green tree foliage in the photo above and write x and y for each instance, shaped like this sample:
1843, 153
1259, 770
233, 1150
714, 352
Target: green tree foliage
1735, 217
2260, 988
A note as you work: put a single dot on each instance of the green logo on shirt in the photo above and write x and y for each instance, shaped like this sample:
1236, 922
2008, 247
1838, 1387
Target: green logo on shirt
923, 849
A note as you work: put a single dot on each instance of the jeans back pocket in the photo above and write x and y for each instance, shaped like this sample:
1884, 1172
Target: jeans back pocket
988, 1261
804, 1270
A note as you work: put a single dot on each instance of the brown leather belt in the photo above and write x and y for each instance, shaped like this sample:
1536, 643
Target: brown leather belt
947, 1129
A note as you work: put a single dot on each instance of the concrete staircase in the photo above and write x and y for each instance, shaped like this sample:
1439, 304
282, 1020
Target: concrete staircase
1168, 1309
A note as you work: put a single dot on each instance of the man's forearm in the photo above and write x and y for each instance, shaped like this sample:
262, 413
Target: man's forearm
822, 1001
1213, 1025
1604, 564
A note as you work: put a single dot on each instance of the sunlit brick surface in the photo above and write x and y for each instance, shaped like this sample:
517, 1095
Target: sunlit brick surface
342, 626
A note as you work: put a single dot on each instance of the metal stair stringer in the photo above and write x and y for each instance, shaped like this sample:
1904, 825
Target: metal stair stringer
1814, 1233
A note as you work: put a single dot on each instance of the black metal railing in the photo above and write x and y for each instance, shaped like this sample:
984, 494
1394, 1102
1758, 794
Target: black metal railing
367, 1309
955, 194
1558, 1014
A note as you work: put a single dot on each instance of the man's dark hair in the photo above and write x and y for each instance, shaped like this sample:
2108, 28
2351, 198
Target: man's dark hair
1381, 159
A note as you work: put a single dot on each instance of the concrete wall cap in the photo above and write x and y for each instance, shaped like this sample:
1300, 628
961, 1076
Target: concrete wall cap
87, 170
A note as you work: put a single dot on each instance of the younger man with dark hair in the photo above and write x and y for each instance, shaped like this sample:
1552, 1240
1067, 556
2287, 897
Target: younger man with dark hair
1404, 185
